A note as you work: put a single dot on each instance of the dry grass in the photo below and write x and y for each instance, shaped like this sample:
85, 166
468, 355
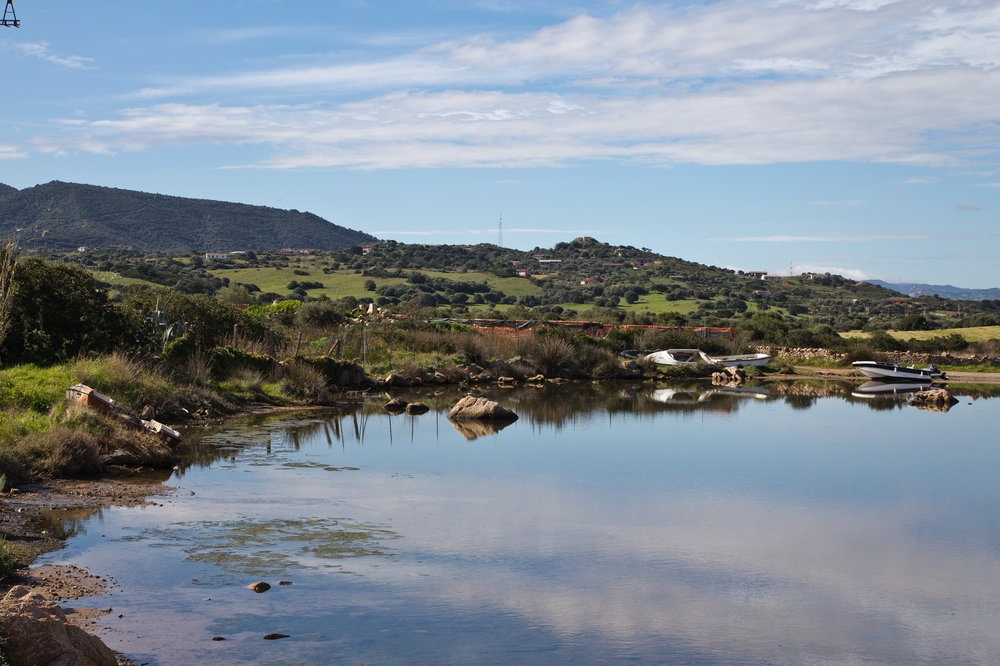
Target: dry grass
304, 381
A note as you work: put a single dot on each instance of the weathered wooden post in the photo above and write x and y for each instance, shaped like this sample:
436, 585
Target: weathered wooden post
298, 343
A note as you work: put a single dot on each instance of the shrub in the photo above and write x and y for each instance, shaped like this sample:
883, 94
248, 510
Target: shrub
319, 313
553, 354
71, 454
302, 380
914, 322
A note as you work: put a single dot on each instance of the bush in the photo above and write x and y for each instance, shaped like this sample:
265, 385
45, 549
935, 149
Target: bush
72, 454
319, 313
224, 360
302, 380
58, 312
914, 322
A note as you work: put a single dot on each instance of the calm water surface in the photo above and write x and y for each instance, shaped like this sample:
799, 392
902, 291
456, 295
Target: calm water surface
608, 525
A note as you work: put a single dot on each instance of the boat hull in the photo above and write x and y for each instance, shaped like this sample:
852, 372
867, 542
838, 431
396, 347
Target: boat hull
897, 373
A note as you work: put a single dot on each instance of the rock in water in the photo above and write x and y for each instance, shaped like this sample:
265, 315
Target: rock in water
415, 408
395, 406
274, 637
473, 408
38, 633
259, 587
935, 400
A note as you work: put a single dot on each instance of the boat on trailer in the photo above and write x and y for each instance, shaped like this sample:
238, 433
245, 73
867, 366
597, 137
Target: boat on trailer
696, 356
895, 372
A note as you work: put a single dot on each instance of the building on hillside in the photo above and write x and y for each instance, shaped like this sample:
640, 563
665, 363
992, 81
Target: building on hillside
237, 253
771, 278
587, 281
291, 250
818, 276
755, 274
524, 272
216, 255
546, 262
82, 248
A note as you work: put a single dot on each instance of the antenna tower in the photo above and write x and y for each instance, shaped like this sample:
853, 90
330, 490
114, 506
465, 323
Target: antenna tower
9, 17
500, 233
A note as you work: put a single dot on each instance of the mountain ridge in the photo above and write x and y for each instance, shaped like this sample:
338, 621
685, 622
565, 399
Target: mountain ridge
64, 216
915, 289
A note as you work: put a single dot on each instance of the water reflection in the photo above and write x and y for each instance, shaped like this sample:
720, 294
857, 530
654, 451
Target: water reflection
784, 523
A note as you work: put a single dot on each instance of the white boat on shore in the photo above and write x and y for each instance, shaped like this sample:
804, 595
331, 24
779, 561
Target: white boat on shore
696, 356
898, 373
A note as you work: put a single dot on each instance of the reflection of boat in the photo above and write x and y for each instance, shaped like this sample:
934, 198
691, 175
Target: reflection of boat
881, 389
695, 356
896, 372
680, 396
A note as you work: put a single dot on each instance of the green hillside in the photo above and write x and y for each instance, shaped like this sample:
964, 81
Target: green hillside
64, 216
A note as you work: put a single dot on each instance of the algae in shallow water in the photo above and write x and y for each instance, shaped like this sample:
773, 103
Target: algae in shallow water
267, 548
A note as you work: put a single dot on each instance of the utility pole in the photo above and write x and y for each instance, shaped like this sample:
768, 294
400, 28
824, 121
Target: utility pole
500, 233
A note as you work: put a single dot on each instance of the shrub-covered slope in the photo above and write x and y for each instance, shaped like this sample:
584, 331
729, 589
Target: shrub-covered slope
63, 216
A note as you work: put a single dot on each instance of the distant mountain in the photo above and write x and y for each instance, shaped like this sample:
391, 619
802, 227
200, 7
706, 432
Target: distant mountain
942, 290
64, 216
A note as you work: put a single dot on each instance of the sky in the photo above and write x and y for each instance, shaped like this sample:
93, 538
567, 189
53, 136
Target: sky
860, 137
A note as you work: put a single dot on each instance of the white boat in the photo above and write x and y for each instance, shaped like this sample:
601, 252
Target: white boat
898, 373
696, 356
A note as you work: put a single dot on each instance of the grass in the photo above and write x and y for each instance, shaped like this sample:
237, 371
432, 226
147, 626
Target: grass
973, 334
341, 283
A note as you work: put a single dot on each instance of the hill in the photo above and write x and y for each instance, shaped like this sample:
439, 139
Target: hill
943, 290
64, 216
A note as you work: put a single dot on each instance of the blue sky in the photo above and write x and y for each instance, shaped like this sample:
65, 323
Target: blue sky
857, 136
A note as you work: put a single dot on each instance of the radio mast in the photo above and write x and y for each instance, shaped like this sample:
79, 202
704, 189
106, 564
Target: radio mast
500, 233
9, 16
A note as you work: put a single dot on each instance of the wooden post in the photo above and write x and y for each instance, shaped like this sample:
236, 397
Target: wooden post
329, 344
342, 349
236, 335
298, 343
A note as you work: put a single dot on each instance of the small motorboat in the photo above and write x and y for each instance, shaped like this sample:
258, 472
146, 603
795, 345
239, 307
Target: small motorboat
696, 356
894, 372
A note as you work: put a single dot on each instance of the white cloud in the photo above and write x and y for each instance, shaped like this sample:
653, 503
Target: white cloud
730, 83
993, 185
41, 51
967, 207
789, 121
917, 181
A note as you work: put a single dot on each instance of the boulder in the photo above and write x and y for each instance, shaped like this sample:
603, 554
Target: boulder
440, 378
395, 406
935, 400
416, 408
259, 587
506, 380
537, 379
37, 633
481, 409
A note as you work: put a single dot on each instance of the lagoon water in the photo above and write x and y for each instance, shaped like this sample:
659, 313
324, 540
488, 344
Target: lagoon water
607, 525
